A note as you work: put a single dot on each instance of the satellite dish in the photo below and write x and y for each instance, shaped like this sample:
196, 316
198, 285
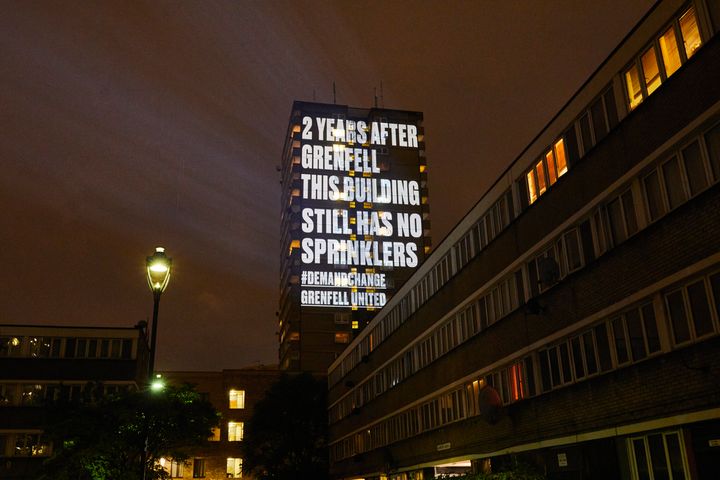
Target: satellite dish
490, 403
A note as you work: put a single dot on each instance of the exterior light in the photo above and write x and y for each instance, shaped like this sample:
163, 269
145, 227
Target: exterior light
157, 384
158, 270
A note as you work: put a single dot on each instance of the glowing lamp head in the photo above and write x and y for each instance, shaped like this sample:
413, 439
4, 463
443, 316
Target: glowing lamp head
158, 270
158, 384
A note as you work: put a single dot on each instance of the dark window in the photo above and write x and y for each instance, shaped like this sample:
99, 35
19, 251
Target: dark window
127, 348
530, 375
585, 133
673, 183
577, 358
92, 348
695, 168
654, 196
617, 223
651, 331
571, 145
715, 287
590, 353
700, 309
544, 370
620, 341
629, 212
610, 108
603, 347
678, 318
598, 118
635, 332
70, 348
198, 468
565, 362
712, 140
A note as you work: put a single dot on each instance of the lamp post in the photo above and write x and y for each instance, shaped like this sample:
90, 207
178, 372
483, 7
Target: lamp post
158, 275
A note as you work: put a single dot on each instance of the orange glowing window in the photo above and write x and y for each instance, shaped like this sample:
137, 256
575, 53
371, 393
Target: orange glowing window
560, 158
651, 71
690, 32
542, 185
552, 172
422, 168
634, 91
294, 336
517, 383
342, 337
293, 245
215, 436
532, 186
669, 51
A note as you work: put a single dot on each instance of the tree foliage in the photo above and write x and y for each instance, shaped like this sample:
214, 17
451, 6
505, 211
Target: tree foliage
286, 437
111, 437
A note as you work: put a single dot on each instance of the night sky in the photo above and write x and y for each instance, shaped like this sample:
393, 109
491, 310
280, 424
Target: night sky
126, 125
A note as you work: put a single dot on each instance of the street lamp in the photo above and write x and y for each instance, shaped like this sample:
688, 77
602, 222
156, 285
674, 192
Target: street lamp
158, 276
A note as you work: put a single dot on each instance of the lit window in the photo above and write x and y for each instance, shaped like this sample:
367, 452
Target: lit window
560, 158
552, 171
532, 187
237, 398
540, 169
651, 71
342, 337
294, 336
690, 32
669, 51
355, 325
234, 467
632, 80
294, 244
215, 436
235, 431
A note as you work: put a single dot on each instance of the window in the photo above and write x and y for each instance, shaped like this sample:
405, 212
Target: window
235, 431
44, 347
658, 456
342, 337
10, 346
635, 334
669, 51
690, 309
237, 398
198, 468
690, 32
632, 83
342, 318
546, 171
215, 435
651, 71
30, 445
622, 222
234, 467
173, 467
662, 58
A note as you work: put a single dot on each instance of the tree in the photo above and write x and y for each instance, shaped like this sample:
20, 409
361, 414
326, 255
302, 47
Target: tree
286, 437
116, 437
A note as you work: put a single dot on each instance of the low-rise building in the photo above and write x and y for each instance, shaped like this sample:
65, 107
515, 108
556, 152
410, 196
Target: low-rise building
233, 393
41, 364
